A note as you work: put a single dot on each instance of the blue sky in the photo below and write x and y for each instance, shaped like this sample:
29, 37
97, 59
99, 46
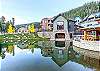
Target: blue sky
26, 11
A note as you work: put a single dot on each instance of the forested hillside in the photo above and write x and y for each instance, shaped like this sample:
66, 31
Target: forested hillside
83, 11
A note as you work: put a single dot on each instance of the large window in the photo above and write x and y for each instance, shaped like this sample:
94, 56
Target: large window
59, 35
60, 25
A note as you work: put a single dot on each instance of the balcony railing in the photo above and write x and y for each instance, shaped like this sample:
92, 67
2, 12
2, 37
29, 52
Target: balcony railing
88, 38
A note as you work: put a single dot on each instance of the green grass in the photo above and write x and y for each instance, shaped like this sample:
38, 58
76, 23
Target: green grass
29, 36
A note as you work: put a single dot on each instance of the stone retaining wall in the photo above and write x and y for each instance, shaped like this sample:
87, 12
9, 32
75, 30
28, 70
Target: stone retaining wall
90, 45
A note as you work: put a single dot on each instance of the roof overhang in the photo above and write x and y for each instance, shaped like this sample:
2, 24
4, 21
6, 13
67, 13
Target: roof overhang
91, 29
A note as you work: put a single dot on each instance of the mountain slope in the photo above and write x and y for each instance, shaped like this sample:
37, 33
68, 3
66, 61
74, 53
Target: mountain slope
83, 11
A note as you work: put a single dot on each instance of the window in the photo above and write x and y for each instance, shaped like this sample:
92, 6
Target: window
60, 25
59, 35
71, 35
60, 43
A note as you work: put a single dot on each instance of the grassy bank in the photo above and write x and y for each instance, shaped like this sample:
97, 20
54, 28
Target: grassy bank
25, 36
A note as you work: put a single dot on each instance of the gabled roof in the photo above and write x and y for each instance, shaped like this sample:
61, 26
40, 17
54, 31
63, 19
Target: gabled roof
57, 17
90, 16
60, 62
54, 18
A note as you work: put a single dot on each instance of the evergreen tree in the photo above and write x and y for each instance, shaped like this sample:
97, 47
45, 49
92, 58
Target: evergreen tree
83, 11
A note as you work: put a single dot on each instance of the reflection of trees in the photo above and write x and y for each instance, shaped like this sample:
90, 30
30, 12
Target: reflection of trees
2, 51
32, 50
46, 52
10, 49
32, 46
7, 47
3, 55
27, 44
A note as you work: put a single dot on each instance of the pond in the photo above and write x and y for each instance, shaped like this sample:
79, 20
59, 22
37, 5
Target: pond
25, 55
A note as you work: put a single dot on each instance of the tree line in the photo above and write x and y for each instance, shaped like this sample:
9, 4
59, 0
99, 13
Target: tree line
8, 27
83, 11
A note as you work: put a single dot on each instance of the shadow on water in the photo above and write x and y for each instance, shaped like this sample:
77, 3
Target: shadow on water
28, 55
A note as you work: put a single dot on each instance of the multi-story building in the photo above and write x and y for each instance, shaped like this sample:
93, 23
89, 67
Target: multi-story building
90, 39
62, 27
46, 24
91, 26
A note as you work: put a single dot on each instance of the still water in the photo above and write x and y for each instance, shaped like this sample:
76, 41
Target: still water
46, 56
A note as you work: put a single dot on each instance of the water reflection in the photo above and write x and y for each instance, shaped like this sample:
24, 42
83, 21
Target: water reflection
9, 48
60, 43
86, 59
45, 56
6, 48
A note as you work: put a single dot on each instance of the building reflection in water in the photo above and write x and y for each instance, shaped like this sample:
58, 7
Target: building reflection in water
59, 56
62, 55
60, 43
59, 52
